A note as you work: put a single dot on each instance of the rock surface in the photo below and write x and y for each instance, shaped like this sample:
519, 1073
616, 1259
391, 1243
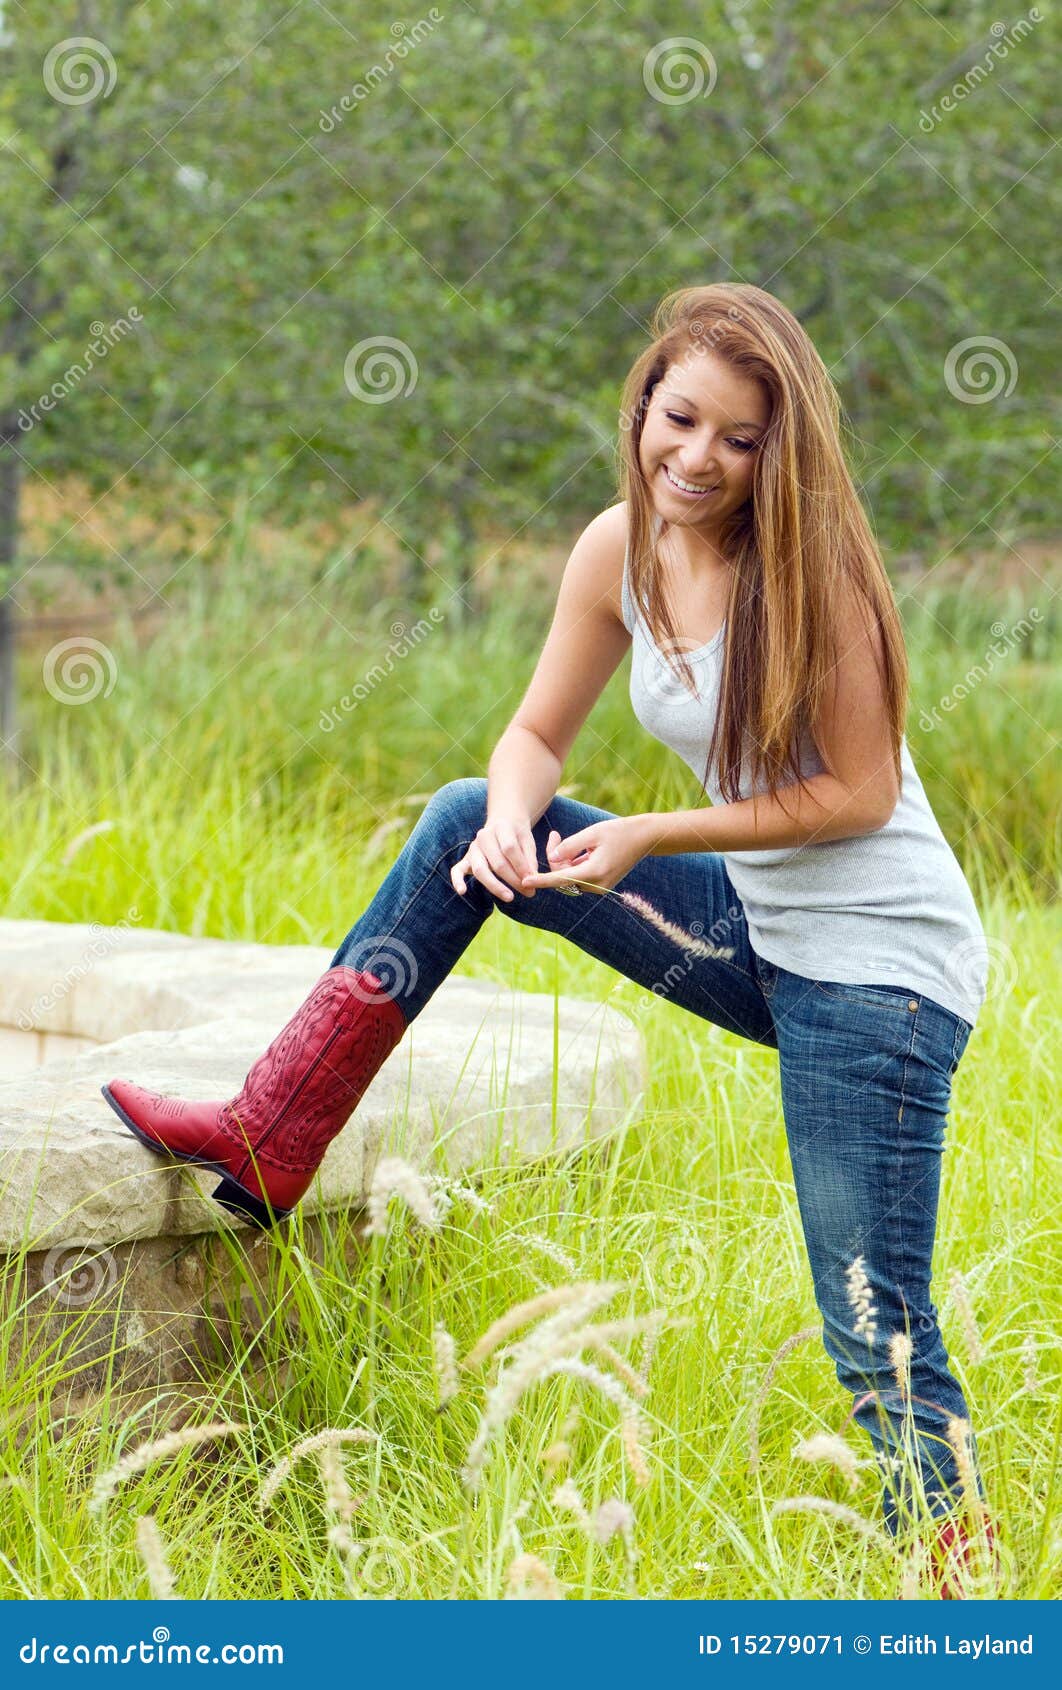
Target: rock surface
469, 1085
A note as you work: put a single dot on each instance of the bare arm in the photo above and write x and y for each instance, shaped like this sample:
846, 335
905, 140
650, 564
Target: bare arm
522, 775
586, 641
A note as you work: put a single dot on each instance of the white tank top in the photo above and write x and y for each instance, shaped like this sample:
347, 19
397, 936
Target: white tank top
891, 907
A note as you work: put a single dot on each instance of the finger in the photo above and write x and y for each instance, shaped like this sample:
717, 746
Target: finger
529, 863
513, 866
486, 876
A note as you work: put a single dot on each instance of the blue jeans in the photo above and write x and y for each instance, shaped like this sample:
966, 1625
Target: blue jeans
865, 1081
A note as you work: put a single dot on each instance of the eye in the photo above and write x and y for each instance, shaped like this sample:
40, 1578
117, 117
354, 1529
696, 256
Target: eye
686, 422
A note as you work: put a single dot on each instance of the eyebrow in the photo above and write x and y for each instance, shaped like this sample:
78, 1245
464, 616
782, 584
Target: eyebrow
681, 397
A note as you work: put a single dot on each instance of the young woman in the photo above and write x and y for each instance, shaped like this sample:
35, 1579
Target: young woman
768, 653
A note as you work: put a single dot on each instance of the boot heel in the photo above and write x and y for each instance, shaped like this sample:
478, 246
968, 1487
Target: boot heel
233, 1197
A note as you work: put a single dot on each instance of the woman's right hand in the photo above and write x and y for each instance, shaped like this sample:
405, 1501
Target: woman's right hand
501, 853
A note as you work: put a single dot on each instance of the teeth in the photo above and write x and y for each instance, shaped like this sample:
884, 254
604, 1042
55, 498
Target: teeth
687, 486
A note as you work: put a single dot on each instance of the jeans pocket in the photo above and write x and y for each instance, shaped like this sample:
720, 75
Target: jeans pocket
900, 998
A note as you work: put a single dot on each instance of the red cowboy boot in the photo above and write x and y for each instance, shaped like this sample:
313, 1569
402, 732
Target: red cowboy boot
268, 1142
962, 1547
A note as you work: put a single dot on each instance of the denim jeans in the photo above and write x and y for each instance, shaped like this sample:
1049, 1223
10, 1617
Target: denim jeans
865, 1077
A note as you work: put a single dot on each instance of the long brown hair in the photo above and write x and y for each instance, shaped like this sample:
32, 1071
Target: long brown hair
796, 540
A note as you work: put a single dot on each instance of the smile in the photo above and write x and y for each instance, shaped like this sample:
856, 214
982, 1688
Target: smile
687, 487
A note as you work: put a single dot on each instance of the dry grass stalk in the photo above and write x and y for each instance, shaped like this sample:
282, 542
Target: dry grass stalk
961, 1295
958, 1435
650, 1340
393, 1177
860, 1298
546, 1303
784, 1349
671, 930
569, 1497
556, 1456
331, 1435
152, 1552
824, 1446
1028, 1359
445, 1364
833, 1510
535, 1359
338, 1494
139, 1459
546, 1247
900, 1352
611, 1517
632, 1431
528, 1575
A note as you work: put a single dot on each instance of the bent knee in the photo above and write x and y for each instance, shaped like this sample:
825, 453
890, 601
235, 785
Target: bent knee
459, 805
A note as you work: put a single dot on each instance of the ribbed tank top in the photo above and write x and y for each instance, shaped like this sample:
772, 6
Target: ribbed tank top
891, 907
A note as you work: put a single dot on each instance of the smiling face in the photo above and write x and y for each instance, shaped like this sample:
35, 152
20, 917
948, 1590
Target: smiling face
702, 433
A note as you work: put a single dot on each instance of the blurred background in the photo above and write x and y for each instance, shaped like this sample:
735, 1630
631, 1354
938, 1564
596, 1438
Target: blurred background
313, 328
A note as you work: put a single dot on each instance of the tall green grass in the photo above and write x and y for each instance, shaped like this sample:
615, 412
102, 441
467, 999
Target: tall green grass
235, 815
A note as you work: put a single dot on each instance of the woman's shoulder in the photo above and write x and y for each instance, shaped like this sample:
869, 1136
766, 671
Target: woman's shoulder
602, 547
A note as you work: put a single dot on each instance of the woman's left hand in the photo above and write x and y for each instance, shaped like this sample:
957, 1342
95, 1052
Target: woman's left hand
597, 856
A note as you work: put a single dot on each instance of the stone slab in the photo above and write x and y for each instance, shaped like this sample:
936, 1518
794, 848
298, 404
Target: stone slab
470, 1084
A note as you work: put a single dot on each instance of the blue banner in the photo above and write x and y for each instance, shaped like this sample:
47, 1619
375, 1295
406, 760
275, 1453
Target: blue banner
519, 1643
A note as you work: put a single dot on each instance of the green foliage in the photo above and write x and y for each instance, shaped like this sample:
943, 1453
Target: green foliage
507, 199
